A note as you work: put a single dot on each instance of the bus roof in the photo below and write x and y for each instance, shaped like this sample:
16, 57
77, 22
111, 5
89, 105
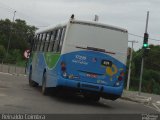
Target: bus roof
90, 23
96, 24
49, 28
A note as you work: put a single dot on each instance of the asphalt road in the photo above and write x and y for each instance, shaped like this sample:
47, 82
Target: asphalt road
16, 96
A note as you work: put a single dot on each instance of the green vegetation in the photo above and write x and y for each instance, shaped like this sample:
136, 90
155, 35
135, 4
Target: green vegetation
2, 51
20, 35
151, 74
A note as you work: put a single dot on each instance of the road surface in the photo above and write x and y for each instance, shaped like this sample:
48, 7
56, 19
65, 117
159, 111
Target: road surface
16, 96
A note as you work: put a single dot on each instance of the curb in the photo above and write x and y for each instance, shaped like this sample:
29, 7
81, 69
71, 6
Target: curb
19, 74
137, 98
13, 74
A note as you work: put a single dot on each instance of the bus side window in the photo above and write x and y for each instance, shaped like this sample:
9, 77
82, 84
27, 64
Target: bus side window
49, 40
55, 49
38, 42
59, 39
62, 39
51, 44
55, 41
36, 47
46, 42
33, 43
42, 42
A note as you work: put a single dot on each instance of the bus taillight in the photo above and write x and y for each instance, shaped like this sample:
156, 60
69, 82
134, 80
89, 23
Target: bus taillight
63, 67
120, 78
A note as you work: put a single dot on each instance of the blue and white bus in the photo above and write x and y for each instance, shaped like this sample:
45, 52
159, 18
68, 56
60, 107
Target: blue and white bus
88, 57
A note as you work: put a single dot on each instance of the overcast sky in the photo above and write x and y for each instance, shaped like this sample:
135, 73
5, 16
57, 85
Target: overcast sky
128, 14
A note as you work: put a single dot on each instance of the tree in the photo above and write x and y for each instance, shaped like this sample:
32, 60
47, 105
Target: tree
4, 31
19, 33
151, 74
2, 51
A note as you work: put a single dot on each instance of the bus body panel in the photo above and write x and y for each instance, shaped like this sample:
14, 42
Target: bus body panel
44, 62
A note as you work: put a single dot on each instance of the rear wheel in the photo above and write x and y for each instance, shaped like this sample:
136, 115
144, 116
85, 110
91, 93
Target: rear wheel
92, 97
31, 82
44, 88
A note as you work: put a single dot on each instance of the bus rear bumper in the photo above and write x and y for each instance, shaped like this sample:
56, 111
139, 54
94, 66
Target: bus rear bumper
108, 92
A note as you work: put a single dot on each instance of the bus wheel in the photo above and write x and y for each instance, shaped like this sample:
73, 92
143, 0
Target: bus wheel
31, 82
44, 88
92, 97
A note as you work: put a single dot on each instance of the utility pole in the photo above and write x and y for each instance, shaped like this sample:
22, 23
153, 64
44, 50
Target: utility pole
130, 62
9, 39
14, 15
145, 46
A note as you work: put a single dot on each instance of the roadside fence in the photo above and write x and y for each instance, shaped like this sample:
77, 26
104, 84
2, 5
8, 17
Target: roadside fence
12, 67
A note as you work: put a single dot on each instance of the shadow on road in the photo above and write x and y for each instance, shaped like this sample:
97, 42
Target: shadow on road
71, 98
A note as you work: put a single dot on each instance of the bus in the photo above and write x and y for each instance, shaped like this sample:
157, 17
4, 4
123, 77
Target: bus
85, 56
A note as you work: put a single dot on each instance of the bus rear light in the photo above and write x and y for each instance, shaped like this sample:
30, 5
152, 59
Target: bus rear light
63, 67
64, 74
120, 78
122, 74
117, 83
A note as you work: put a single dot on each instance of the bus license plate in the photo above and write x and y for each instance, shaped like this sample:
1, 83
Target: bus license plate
91, 75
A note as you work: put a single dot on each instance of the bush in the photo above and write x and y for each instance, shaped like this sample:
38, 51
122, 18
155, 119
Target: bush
16, 55
151, 81
151, 74
134, 83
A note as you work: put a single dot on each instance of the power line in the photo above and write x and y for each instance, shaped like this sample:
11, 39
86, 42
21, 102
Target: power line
11, 10
7, 7
142, 37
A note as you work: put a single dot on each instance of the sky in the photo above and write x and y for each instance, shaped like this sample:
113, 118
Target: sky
128, 14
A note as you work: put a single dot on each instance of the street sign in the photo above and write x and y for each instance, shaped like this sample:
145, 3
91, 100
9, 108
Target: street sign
26, 54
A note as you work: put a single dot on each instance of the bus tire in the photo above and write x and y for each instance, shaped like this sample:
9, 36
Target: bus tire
92, 97
44, 88
31, 82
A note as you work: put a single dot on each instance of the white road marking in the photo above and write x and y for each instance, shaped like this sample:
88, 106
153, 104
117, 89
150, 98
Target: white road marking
151, 108
156, 106
158, 102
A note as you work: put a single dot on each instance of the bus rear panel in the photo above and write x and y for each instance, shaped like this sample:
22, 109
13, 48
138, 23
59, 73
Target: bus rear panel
93, 59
